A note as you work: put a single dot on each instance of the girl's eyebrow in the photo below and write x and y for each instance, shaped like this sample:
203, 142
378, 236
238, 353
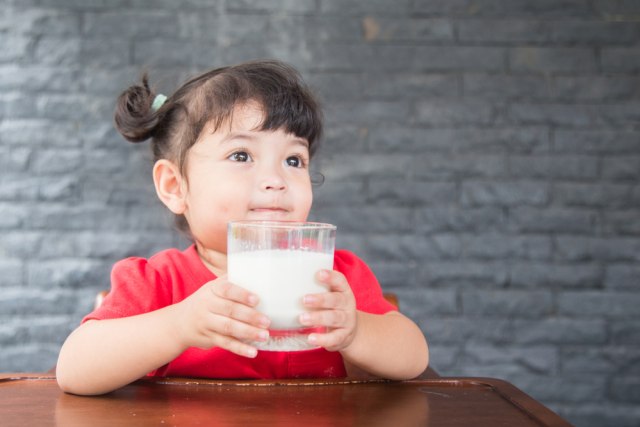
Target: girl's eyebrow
301, 141
237, 135
252, 137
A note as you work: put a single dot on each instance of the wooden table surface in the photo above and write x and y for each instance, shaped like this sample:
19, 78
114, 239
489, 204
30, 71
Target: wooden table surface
36, 400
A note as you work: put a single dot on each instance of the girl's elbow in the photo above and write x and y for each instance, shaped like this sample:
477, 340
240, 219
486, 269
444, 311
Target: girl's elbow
423, 365
415, 363
70, 380
71, 385
421, 360
65, 385
66, 381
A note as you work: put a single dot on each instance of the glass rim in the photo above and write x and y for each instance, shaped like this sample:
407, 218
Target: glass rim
304, 225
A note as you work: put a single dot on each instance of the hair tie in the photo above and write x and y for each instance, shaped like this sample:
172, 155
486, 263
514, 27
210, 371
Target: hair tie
158, 102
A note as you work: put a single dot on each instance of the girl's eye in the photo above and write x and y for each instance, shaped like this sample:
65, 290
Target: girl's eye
240, 156
295, 161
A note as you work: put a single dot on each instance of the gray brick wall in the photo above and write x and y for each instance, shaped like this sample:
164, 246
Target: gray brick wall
482, 155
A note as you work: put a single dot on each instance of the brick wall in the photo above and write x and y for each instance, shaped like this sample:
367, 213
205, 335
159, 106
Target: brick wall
482, 156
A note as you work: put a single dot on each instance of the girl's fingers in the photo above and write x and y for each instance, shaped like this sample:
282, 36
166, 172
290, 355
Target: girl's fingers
233, 335
326, 300
235, 346
228, 327
330, 341
237, 311
221, 314
339, 291
328, 318
228, 291
236, 303
334, 280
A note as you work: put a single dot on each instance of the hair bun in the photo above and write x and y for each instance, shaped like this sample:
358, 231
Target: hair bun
134, 117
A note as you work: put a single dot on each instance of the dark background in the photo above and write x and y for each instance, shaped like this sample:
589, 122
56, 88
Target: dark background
482, 156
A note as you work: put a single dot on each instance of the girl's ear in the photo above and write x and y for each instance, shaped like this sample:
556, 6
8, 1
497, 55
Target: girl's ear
170, 186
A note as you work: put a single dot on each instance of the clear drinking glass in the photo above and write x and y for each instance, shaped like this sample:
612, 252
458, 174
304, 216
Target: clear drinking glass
278, 261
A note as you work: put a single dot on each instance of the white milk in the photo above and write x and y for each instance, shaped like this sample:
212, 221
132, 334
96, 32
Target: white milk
280, 278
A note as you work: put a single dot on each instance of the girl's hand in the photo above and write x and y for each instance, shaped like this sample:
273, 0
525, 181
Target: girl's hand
335, 309
221, 314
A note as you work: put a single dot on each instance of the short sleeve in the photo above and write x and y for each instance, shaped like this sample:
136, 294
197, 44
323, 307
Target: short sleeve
136, 288
365, 286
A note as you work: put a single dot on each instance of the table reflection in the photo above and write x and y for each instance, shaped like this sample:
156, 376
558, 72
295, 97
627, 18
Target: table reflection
248, 404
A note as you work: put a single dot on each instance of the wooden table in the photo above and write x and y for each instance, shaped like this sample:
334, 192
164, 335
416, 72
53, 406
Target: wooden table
36, 400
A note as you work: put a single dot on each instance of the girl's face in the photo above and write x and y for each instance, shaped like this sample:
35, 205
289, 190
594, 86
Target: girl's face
239, 173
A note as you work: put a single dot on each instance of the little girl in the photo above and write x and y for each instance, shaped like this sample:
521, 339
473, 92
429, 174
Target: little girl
231, 144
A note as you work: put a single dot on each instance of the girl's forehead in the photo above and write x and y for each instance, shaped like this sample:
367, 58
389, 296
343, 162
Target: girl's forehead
246, 119
248, 116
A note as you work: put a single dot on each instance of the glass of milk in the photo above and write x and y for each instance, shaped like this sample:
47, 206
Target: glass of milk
278, 261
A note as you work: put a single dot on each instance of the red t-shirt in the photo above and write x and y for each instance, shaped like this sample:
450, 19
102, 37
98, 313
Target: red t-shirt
139, 286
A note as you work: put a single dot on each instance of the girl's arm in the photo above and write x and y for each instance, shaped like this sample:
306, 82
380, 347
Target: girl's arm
388, 345
103, 355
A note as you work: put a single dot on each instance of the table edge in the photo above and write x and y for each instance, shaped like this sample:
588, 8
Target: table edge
507, 391
519, 399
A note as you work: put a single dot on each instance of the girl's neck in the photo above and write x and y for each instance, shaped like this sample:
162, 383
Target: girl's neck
215, 261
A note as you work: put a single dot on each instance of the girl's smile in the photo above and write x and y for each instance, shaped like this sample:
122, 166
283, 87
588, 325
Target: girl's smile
270, 212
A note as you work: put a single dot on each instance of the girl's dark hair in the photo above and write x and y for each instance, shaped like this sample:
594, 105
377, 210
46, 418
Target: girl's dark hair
210, 98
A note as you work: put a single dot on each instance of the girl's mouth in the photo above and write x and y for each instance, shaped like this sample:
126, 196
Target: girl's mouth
270, 213
268, 210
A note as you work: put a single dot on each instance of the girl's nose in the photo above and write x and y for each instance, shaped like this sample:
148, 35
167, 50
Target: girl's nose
273, 181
